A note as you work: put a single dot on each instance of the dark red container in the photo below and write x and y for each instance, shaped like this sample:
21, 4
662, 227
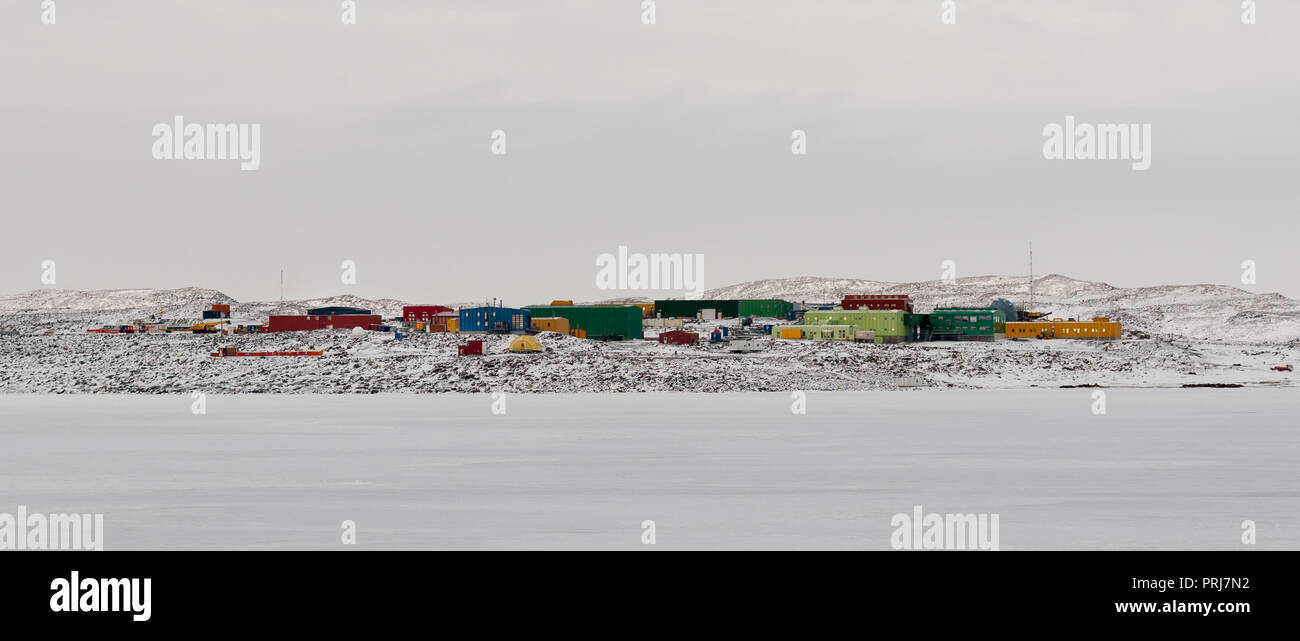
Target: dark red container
679, 337
472, 348
878, 301
297, 323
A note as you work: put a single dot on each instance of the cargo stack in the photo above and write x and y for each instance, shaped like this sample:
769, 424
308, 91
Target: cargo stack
217, 312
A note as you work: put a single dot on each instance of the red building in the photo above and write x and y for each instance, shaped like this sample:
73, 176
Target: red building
422, 313
305, 323
878, 301
438, 322
679, 337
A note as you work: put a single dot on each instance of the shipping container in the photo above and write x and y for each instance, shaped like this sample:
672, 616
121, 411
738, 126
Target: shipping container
453, 324
791, 332
552, 324
495, 319
221, 308
578, 333
889, 325
679, 337
601, 322
472, 348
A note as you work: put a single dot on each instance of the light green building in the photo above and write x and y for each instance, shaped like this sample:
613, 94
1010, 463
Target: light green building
890, 325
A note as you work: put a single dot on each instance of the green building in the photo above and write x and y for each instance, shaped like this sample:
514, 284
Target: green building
967, 323
890, 325
762, 307
601, 322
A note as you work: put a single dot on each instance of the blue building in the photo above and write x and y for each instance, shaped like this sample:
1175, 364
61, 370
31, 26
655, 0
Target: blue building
495, 319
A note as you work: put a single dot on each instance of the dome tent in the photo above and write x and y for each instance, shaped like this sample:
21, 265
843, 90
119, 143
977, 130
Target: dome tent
525, 344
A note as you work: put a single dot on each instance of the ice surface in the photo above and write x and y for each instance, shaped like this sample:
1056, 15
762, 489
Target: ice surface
1164, 468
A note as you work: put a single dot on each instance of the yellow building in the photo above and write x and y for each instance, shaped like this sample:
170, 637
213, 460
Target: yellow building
552, 324
1099, 328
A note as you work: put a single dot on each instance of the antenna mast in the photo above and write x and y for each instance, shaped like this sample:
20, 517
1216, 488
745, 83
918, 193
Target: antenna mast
1031, 275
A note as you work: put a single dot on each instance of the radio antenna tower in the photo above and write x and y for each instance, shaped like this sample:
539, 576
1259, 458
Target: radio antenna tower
1031, 275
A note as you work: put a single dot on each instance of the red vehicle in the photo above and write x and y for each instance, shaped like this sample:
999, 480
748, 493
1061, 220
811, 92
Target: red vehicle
1282, 368
472, 348
877, 301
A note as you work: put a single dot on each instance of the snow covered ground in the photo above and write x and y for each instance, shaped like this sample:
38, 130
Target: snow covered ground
1174, 335
1162, 469
370, 362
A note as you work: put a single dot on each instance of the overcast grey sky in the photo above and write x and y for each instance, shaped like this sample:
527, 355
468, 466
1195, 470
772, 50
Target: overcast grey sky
924, 142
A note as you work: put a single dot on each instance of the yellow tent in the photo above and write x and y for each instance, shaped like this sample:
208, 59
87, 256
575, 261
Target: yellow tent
525, 344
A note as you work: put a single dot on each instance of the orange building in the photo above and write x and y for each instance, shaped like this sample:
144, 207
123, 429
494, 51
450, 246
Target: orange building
1099, 328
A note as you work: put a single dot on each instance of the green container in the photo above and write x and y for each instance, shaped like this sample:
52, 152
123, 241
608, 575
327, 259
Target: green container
890, 325
691, 308
601, 322
764, 307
